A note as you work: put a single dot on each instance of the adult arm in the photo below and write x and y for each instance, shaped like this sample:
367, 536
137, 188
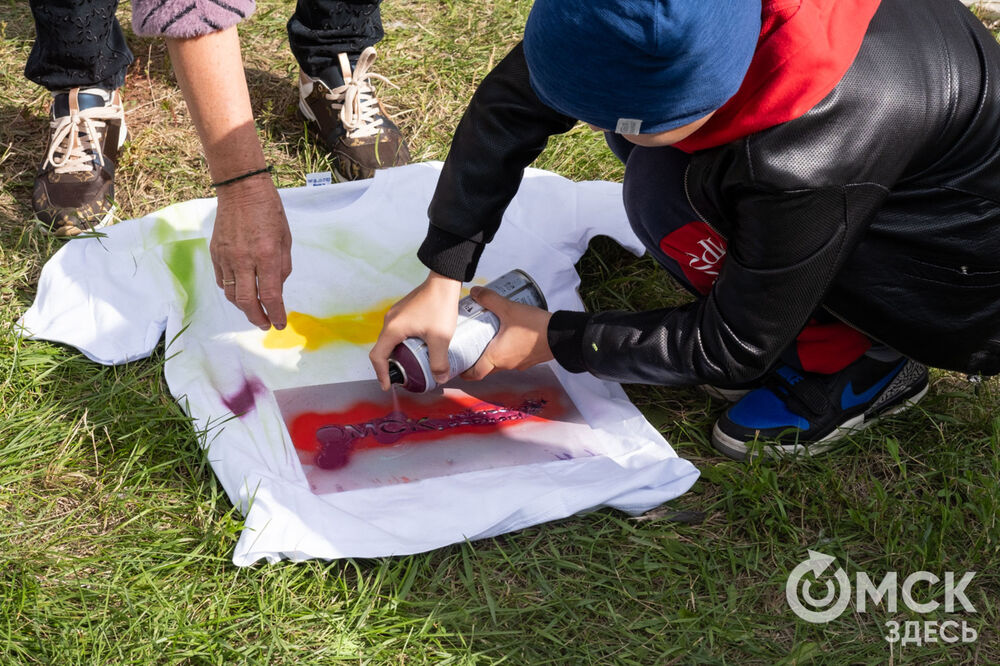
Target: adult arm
251, 243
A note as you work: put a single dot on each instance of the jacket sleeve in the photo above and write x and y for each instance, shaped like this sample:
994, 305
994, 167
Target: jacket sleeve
503, 130
786, 251
187, 18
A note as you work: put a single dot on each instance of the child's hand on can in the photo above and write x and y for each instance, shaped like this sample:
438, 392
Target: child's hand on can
429, 312
523, 338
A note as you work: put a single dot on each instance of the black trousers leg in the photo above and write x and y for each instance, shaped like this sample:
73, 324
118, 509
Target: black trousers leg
78, 44
320, 29
662, 217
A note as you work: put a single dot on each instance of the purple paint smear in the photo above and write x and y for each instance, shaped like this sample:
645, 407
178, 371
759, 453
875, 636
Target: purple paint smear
337, 440
244, 401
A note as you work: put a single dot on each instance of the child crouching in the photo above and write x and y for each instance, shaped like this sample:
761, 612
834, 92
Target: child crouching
823, 175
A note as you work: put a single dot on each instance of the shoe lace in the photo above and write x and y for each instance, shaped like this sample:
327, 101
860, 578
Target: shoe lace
359, 110
76, 139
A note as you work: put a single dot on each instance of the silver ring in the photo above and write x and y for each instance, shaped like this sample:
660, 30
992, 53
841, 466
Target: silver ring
228, 283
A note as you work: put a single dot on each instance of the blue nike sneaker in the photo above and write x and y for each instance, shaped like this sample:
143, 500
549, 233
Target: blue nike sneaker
803, 413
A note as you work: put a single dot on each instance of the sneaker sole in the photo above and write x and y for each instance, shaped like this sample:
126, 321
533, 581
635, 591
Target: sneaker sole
305, 110
123, 133
738, 450
71, 231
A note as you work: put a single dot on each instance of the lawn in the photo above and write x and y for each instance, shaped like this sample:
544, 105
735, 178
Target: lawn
116, 539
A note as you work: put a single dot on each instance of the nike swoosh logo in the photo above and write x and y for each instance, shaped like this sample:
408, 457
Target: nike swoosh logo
850, 399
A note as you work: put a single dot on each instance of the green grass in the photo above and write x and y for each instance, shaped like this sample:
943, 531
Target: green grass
115, 538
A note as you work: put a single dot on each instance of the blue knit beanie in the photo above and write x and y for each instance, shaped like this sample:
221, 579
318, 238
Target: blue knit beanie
639, 66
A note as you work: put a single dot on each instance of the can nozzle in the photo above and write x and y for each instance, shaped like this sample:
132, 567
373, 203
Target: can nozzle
396, 373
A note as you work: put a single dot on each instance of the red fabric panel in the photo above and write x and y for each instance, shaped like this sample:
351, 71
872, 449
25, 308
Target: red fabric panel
699, 251
829, 348
824, 348
805, 48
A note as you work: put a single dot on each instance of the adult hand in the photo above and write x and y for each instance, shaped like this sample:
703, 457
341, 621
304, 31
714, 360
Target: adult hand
251, 249
522, 341
429, 312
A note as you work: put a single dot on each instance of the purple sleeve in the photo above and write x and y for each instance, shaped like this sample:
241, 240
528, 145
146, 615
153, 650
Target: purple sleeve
187, 18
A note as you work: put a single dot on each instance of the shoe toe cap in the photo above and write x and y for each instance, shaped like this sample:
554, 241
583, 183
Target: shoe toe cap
68, 207
762, 410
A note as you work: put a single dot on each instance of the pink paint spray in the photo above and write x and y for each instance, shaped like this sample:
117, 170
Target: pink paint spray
337, 441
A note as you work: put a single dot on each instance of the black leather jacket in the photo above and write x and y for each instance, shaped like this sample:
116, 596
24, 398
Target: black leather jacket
881, 204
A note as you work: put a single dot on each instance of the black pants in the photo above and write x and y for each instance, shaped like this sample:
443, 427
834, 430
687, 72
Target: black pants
80, 44
693, 253
320, 29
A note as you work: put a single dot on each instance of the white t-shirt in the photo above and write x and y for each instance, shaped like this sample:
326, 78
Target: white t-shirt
320, 461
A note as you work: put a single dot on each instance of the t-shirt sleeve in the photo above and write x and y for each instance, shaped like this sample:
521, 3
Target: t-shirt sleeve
596, 209
600, 211
102, 297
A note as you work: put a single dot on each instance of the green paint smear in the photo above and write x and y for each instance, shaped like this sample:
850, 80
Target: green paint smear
161, 232
183, 259
404, 265
180, 221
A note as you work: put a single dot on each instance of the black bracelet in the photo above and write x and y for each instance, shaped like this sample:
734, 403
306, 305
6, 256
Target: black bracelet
267, 169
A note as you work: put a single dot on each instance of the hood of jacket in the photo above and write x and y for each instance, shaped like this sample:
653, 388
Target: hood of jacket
804, 50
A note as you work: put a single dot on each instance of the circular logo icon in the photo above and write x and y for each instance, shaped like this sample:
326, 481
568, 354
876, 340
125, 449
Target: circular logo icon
817, 607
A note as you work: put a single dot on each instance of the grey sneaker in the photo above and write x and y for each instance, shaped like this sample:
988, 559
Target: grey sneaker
75, 184
352, 124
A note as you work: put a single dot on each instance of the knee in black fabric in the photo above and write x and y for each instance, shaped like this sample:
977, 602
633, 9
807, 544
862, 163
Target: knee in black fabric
619, 145
653, 190
661, 216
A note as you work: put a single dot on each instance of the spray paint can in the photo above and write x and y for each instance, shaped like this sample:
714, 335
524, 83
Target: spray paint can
409, 363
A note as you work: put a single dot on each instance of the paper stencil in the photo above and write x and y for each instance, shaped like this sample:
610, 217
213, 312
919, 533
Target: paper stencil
353, 435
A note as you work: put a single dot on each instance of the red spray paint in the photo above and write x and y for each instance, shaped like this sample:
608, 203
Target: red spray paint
332, 437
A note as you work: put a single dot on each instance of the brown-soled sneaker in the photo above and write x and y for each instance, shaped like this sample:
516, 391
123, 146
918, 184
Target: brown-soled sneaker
75, 185
353, 125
